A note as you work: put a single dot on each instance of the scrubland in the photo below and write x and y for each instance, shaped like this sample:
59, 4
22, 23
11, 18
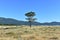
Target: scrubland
27, 33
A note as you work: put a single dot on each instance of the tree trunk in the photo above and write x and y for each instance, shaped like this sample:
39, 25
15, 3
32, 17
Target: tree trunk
30, 24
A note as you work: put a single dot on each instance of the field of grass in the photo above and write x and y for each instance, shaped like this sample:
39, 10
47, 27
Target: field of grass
33, 33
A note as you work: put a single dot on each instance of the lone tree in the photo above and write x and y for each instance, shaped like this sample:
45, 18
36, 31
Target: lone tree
30, 18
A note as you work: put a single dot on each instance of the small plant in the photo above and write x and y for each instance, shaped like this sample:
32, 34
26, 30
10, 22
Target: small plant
54, 38
31, 38
10, 34
29, 32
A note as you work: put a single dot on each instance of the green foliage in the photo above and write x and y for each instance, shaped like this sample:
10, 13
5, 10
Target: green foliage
30, 14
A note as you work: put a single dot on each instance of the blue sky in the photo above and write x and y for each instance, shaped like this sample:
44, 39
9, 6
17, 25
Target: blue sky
46, 10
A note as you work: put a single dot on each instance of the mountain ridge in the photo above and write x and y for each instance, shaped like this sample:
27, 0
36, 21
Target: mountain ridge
19, 22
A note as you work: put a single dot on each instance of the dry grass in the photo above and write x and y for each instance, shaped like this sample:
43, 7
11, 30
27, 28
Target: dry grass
33, 33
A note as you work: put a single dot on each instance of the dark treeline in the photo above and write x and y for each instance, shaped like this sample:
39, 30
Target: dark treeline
8, 24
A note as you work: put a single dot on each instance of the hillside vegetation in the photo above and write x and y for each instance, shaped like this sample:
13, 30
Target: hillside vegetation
33, 33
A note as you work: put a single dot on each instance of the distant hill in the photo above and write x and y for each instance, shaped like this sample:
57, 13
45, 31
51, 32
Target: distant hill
19, 22
15, 22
